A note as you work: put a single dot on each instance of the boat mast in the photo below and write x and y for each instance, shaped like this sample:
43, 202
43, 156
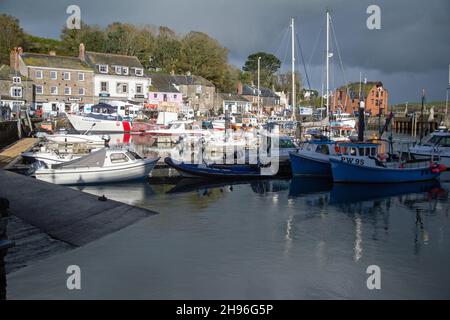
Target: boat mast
293, 66
259, 68
328, 64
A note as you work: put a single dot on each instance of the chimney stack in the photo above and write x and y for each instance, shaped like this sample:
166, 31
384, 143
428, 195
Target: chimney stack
240, 88
81, 52
14, 57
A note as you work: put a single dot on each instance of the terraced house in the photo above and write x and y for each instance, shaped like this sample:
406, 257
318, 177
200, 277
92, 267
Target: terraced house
60, 83
116, 77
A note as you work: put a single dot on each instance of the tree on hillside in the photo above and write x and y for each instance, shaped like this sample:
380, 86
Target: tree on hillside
11, 36
283, 82
43, 45
93, 38
203, 56
166, 51
269, 65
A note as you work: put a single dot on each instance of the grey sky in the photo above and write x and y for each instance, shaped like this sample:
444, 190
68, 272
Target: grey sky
410, 52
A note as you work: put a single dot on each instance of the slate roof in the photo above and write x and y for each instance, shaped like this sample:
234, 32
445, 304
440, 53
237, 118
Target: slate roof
248, 90
161, 83
57, 62
7, 73
233, 97
110, 59
191, 80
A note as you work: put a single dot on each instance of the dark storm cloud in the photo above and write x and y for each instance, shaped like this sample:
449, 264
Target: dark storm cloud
414, 35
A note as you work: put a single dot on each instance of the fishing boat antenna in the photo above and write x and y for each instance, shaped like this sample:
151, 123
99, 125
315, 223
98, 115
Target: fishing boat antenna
293, 67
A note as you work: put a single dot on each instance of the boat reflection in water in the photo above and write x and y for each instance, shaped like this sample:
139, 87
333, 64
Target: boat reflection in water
261, 186
350, 193
138, 193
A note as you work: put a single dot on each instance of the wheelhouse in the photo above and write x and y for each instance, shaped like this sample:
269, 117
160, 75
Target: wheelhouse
357, 149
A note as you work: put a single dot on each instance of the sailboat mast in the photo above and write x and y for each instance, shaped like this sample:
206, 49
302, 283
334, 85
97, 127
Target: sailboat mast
293, 66
328, 64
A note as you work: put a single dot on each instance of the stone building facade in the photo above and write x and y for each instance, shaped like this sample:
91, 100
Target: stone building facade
60, 83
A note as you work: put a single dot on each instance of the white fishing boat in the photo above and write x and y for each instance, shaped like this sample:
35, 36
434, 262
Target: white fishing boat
436, 145
103, 118
346, 119
183, 127
83, 123
102, 166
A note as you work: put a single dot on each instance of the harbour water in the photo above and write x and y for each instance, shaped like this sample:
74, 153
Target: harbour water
267, 239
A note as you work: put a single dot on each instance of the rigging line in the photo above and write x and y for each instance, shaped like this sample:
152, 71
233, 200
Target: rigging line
339, 54
279, 47
315, 45
303, 60
285, 52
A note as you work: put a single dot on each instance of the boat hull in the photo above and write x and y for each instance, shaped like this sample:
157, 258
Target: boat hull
82, 123
347, 172
306, 166
74, 176
224, 172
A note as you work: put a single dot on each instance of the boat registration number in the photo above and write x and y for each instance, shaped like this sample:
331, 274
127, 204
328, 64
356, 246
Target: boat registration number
356, 161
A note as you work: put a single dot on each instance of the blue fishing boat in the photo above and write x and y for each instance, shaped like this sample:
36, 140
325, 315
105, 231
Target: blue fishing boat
204, 170
360, 162
313, 158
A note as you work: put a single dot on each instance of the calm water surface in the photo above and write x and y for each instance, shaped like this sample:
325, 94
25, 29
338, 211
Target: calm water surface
291, 239
269, 239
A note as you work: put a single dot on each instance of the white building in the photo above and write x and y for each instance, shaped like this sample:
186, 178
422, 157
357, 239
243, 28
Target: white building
116, 77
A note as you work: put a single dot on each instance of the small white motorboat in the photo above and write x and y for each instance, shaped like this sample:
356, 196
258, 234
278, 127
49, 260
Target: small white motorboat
436, 145
102, 166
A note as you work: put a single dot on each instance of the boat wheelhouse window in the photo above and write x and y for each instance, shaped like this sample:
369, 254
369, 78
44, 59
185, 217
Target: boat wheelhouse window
445, 142
353, 151
286, 143
323, 148
132, 155
118, 157
367, 152
361, 151
373, 152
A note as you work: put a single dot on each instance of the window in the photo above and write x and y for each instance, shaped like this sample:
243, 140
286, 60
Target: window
155, 95
67, 91
16, 92
125, 71
103, 68
53, 75
54, 90
122, 87
80, 76
66, 76
39, 90
139, 88
118, 158
138, 72
118, 69
174, 96
39, 74
17, 80
323, 148
353, 151
104, 86
165, 97
81, 91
